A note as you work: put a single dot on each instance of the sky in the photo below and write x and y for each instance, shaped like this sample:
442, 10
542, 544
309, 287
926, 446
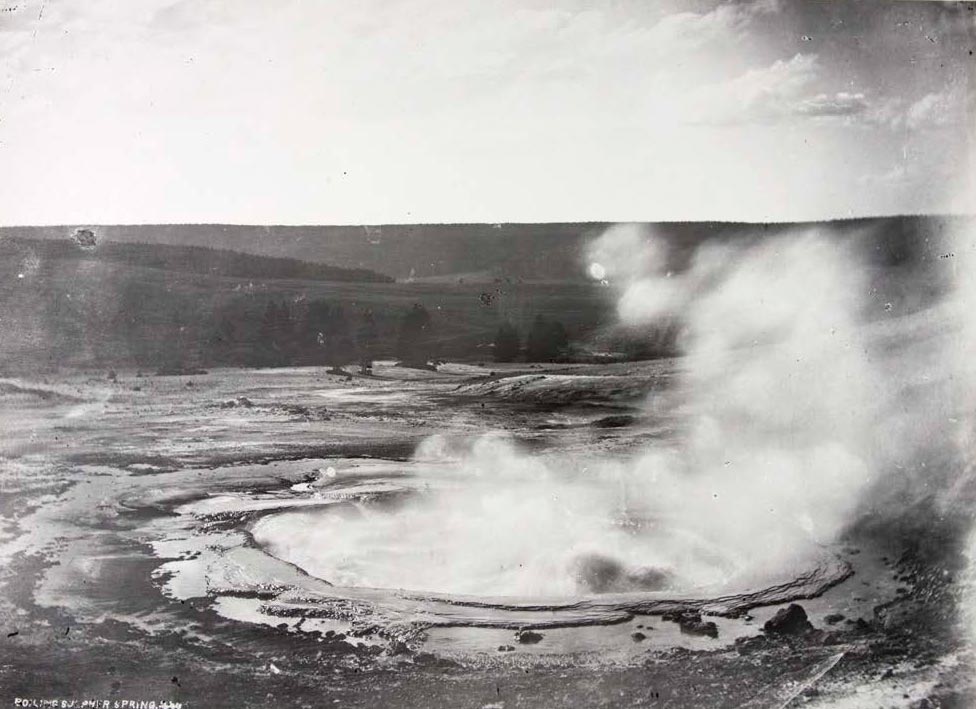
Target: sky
415, 111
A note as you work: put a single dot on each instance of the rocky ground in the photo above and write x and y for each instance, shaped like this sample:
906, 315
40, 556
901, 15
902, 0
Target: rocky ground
92, 607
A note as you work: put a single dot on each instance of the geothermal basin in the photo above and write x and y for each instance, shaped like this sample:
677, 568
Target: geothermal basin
501, 524
474, 535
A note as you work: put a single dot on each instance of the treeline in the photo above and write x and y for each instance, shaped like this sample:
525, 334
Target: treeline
248, 332
252, 332
321, 332
546, 341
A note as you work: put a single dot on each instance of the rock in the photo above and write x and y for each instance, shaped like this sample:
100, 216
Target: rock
638, 637
528, 637
699, 627
615, 421
746, 646
791, 620
506, 648
862, 625
397, 646
242, 401
675, 616
691, 623
833, 618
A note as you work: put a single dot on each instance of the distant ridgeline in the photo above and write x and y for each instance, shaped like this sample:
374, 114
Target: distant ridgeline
189, 259
158, 297
450, 252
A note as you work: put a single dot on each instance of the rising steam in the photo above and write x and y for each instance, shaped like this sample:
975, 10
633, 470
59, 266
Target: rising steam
781, 397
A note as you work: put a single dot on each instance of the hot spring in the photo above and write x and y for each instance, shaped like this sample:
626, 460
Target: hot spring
499, 523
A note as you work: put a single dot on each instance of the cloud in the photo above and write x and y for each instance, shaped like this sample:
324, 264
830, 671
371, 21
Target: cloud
934, 110
729, 20
838, 104
895, 176
764, 95
786, 91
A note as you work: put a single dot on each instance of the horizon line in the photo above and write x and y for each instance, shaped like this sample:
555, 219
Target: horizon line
594, 222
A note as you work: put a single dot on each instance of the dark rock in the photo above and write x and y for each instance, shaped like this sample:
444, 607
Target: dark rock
506, 648
638, 637
746, 646
242, 401
528, 637
397, 646
862, 625
833, 618
791, 620
676, 616
699, 627
615, 421
691, 623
